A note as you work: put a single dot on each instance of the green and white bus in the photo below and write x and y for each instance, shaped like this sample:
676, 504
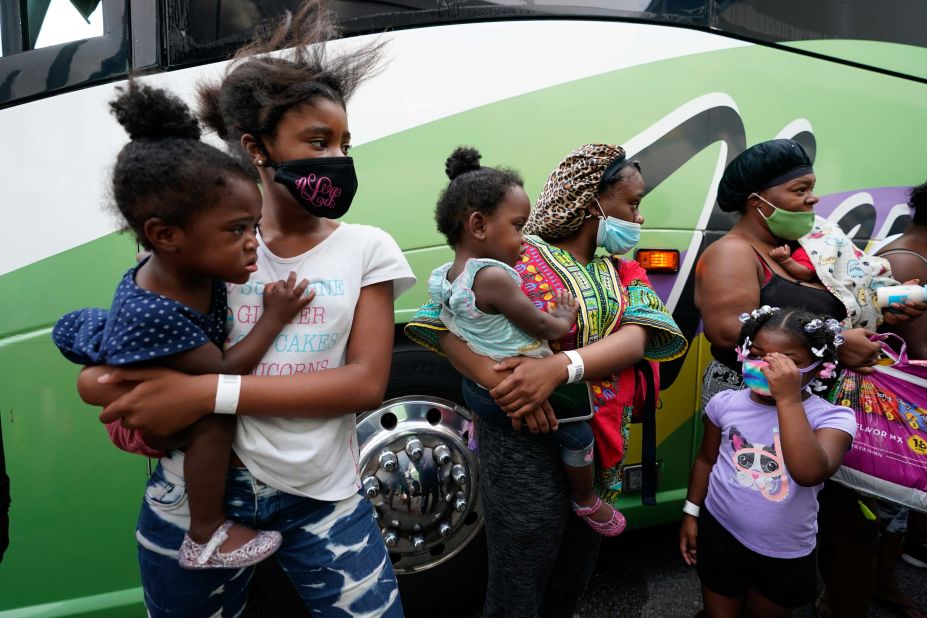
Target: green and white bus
683, 85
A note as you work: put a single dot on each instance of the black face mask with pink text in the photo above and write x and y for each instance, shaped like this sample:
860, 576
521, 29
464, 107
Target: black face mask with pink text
324, 186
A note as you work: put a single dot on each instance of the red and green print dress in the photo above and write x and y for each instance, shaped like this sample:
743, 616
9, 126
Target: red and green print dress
611, 292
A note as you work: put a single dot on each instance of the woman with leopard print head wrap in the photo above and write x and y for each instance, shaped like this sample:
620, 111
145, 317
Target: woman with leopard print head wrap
540, 555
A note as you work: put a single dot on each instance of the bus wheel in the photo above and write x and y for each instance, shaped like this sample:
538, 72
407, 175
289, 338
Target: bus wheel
422, 481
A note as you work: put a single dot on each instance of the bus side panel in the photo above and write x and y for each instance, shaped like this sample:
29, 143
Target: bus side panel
75, 498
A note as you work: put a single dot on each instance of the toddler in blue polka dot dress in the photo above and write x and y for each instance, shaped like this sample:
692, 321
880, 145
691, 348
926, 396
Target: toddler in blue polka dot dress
195, 210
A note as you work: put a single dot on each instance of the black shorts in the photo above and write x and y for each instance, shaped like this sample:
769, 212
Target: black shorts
729, 568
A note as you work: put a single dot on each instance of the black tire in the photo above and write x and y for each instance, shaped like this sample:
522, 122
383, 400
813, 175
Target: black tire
417, 371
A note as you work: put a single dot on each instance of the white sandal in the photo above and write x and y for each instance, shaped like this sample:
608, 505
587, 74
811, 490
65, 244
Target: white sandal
193, 555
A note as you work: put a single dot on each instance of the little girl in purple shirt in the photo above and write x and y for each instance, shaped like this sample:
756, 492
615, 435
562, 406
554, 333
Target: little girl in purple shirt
751, 509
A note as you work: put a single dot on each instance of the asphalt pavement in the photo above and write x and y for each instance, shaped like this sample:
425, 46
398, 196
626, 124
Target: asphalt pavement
640, 574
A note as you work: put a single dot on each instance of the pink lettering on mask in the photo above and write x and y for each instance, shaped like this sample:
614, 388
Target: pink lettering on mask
318, 190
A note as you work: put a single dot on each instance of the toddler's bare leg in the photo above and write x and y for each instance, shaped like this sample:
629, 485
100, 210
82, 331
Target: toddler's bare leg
206, 464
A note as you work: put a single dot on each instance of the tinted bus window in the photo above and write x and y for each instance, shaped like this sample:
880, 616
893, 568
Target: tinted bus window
32, 24
50, 46
65, 22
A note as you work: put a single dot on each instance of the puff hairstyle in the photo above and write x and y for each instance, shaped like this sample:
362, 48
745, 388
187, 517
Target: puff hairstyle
792, 321
918, 202
258, 88
165, 172
472, 188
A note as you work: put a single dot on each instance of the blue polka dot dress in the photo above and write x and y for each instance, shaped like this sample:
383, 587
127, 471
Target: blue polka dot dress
140, 327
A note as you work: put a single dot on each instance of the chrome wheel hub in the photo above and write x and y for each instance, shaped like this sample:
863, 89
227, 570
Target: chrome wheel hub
421, 478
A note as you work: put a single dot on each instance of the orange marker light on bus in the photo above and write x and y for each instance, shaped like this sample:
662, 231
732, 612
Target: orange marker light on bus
658, 260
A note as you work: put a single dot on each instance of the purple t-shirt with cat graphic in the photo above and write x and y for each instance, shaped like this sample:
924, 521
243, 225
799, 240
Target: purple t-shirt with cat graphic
750, 491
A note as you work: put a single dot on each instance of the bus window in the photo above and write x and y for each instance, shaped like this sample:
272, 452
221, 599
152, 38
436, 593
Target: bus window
67, 21
50, 46
32, 24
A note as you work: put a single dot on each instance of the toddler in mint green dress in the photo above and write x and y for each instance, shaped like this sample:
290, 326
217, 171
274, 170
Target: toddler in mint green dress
482, 213
487, 334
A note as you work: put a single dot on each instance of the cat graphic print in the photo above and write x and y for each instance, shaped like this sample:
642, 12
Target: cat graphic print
760, 467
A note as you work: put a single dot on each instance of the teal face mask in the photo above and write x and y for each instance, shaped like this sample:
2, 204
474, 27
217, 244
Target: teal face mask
786, 224
616, 236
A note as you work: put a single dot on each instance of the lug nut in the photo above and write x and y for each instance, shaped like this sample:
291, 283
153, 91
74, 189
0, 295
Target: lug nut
388, 461
459, 474
442, 454
418, 542
414, 449
444, 529
371, 487
460, 505
390, 538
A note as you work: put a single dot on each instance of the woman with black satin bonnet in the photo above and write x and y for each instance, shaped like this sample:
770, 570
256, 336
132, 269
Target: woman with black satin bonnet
771, 186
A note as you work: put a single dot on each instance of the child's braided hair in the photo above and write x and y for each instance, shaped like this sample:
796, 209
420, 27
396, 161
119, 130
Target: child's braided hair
820, 333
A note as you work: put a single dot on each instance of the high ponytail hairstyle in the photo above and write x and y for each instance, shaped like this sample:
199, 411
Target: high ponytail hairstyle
259, 87
472, 188
165, 172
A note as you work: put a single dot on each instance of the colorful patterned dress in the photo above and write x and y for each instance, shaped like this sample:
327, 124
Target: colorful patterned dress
611, 293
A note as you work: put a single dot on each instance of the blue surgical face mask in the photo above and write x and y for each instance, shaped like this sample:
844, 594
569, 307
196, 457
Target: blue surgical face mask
616, 236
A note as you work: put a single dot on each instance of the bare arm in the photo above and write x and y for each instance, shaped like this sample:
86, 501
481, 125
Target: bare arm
704, 462
495, 290
481, 370
698, 488
534, 379
811, 456
726, 285
796, 270
283, 300
475, 366
905, 267
96, 394
357, 385
782, 255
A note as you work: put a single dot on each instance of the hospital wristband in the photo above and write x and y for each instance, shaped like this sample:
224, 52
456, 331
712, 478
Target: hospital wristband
690, 508
576, 369
228, 388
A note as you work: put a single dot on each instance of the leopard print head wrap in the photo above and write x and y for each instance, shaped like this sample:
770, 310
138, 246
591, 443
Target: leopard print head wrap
569, 190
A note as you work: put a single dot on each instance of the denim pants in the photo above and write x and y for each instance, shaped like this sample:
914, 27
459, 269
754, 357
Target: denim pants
574, 439
332, 551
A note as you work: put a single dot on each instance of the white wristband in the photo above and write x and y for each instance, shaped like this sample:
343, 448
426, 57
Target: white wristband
691, 509
576, 369
228, 389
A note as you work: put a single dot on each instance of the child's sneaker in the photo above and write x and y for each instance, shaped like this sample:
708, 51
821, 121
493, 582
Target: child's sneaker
193, 555
613, 527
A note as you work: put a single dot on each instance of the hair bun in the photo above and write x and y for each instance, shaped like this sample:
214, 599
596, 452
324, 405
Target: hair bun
152, 113
464, 159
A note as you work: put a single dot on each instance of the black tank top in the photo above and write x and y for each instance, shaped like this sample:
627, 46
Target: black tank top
781, 292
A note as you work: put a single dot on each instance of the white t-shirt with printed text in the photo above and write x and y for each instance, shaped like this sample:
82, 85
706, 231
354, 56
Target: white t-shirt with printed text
317, 458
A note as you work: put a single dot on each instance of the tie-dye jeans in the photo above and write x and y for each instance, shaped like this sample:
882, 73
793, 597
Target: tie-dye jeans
332, 551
